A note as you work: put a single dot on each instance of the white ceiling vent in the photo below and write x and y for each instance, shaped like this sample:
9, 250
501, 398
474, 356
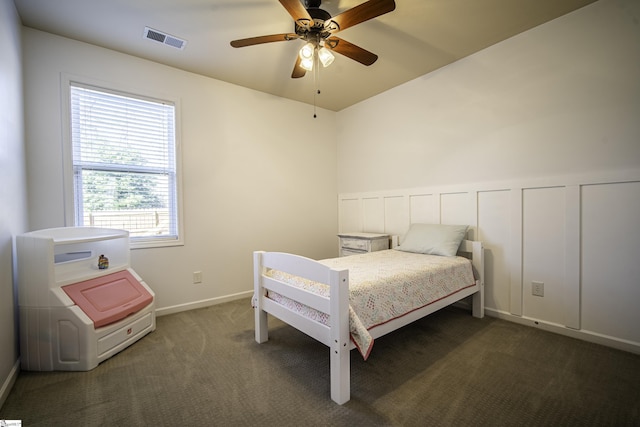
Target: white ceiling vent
164, 38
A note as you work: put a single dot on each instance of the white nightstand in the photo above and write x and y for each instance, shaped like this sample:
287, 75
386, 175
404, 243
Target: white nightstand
360, 243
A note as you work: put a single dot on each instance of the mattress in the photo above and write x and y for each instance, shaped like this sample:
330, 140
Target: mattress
384, 285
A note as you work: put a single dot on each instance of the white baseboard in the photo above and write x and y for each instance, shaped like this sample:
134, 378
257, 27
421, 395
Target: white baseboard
202, 303
581, 334
9, 382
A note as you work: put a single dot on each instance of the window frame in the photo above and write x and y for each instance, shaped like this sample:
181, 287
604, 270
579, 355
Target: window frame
67, 81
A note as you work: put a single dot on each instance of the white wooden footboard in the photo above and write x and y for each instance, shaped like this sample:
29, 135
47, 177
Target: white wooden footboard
335, 336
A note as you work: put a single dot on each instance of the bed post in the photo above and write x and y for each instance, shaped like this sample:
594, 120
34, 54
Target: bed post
477, 256
340, 347
261, 326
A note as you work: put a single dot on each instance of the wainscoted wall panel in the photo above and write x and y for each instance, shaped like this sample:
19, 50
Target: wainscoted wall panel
610, 262
577, 234
543, 252
424, 208
457, 208
494, 231
396, 215
373, 218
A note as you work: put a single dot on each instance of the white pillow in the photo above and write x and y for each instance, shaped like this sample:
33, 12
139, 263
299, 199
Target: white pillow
433, 239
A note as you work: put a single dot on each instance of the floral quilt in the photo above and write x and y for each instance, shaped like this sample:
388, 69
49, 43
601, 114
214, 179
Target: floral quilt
384, 285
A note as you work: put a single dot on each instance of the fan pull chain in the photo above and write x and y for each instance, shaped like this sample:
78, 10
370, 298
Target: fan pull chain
316, 78
314, 103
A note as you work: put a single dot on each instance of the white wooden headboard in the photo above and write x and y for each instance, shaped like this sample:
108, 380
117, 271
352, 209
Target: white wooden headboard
393, 212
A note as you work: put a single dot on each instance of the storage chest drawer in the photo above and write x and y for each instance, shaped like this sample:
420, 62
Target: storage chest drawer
125, 333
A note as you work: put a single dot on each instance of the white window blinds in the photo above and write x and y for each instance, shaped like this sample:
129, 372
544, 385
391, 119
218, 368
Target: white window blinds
124, 163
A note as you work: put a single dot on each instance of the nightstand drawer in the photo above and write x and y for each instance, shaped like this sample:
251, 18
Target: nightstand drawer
347, 252
359, 244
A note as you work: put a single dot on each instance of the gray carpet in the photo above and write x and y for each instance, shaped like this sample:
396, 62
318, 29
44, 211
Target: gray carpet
203, 368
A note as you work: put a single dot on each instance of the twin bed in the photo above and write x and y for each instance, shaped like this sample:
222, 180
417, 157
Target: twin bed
348, 302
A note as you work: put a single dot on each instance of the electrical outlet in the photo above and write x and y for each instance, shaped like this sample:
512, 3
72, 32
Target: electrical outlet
197, 277
537, 289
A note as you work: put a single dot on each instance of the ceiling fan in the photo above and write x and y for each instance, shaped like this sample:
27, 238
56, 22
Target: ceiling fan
317, 28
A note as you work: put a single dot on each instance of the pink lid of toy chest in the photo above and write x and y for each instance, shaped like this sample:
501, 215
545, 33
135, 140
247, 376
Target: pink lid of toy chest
109, 298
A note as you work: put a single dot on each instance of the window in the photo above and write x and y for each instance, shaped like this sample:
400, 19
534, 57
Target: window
123, 150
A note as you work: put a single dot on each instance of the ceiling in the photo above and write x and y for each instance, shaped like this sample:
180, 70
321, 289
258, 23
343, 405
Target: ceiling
418, 37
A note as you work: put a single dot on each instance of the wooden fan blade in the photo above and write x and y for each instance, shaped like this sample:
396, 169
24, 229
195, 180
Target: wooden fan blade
297, 12
298, 71
264, 39
350, 50
360, 13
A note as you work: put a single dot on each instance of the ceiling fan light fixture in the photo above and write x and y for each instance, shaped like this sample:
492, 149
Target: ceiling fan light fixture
325, 56
306, 53
307, 63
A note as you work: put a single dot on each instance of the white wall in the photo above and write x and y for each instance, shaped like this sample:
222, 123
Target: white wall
534, 142
13, 191
559, 99
232, 137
